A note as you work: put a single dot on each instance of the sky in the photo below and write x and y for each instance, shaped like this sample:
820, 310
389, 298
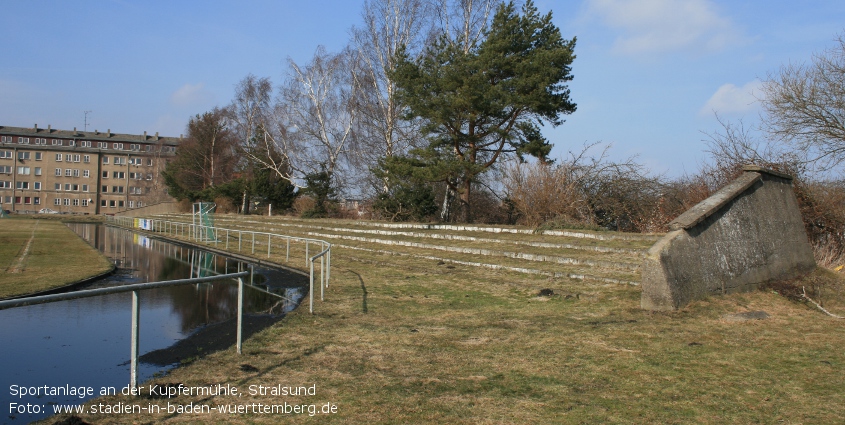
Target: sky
649, 75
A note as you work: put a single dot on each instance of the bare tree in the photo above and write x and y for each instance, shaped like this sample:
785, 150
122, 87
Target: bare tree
463, 22
805, 105
316, 116
389, 25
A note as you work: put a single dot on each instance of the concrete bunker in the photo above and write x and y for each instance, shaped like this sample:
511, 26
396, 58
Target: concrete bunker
748, 233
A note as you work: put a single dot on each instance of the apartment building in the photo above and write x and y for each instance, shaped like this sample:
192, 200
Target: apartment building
79, 172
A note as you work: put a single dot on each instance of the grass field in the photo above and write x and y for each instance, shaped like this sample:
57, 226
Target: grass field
36, 255
418, 335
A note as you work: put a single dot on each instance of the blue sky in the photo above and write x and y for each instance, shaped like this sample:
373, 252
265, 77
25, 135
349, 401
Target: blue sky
648, 73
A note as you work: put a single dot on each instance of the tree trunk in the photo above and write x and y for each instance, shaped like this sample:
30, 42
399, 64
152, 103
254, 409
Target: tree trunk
446, 209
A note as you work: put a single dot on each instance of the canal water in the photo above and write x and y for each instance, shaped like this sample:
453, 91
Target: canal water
86, 342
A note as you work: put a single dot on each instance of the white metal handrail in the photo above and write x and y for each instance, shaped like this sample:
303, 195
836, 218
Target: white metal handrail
134, 288
198, 233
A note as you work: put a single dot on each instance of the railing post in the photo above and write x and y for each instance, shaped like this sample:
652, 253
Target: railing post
136, 312
268, 244
287, 253
240, 234
253, 242
328, 265
240, 312
306, 257
227, 239
322, 275
311, 290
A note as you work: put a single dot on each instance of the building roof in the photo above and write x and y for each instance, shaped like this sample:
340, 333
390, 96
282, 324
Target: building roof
95, 135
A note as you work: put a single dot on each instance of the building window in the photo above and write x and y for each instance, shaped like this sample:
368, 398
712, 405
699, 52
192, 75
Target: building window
58, 157
105, 160
76, 158
57, 201
39, 141
23, 155
102, 145
36, 185
76, 172
5, 185
75, 187
68, 172
86, 144
135, 147
149, 176
118, 146
76, 202
37, 171
6, 139
120, 204
57, 142
104, 189
86, 173
58, 187
23, 141
23, 171
117, 189
36, 200
149, 162
119, 161
6, 154
102, 202
38, 156
84, 187
27, 200
66, 202
86, 159
67, 187
84, 202
71, 143
58, 172
5, 169
17, 199
68, 157
119, 175
111, 204
105, 174
22, 185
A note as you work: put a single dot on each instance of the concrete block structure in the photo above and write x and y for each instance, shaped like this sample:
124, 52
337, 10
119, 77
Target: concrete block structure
748, 233
81, 172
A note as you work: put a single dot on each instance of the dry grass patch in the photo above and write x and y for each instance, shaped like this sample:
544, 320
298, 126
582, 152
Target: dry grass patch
37, 255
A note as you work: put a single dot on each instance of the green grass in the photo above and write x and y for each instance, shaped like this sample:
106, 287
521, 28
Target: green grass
405, 340
56, 256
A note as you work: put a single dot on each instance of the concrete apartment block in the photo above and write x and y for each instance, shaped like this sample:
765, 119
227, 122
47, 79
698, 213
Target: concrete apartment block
81, 172
748, 233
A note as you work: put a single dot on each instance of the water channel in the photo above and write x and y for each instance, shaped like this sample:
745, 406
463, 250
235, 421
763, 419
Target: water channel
86, 342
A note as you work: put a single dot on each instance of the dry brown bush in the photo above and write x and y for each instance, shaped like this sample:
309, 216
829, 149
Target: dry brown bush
303, 204
225, 205
184, 206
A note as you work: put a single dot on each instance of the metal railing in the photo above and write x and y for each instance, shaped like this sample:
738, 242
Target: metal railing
134, 288
199, 234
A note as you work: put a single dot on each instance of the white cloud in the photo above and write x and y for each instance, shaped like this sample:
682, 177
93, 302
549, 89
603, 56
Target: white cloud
730, 99
192, 95
659, 26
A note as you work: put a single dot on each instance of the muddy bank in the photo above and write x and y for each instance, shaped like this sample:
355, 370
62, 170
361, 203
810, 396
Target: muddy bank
209, 339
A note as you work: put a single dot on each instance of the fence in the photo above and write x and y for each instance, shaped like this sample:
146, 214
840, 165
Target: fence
42, 299
199, 233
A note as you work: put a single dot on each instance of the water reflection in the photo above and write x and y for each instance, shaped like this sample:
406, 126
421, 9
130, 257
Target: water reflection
87, 341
